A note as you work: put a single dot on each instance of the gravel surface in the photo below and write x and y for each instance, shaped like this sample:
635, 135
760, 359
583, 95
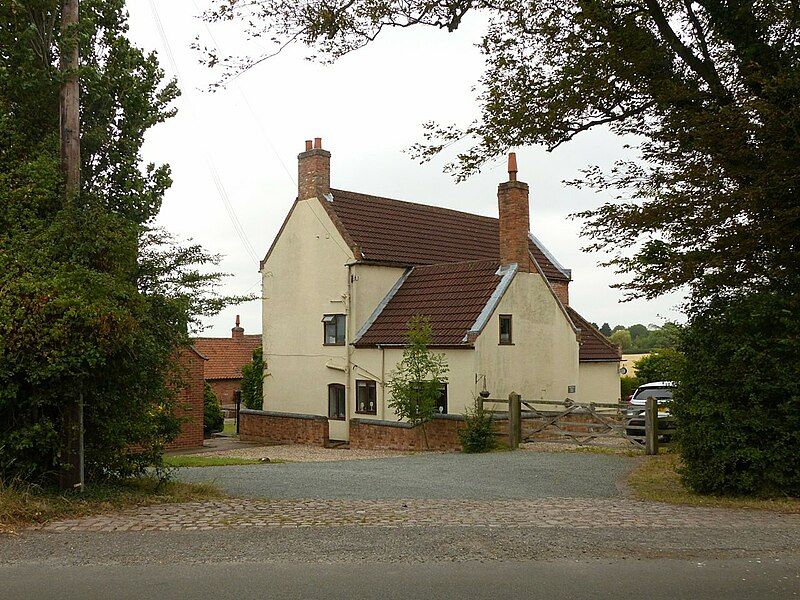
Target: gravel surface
506, 475
304, 453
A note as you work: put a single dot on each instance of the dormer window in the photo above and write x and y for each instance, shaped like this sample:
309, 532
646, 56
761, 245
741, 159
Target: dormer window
334, 330
505, 330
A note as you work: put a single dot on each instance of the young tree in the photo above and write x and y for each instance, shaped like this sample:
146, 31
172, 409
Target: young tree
94, 301
253, 381
416, 384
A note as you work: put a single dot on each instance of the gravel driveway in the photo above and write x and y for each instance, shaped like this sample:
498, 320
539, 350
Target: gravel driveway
501, 475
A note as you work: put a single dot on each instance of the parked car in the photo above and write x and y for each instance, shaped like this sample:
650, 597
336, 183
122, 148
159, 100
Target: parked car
634, 413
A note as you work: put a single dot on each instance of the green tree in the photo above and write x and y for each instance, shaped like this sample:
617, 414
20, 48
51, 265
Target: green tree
661, 365
253, 381
415, 385
93, 300
606, 330
213, 419
622, 338
638, 332
738, 406
708, 88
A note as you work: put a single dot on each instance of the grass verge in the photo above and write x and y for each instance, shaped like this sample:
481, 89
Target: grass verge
25, 504
657, 479
198, 460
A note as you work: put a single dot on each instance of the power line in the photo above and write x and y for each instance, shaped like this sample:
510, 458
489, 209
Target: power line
223, 195
255, 116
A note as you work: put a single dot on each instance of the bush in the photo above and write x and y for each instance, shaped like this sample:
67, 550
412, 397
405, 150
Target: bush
738, 403
660, 365
628, 385
213, 420
253, 381
477, 435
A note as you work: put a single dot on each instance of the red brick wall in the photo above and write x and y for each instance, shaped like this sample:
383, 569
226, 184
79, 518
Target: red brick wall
282, 428
224, 389
442, 434
190, 401
514, 223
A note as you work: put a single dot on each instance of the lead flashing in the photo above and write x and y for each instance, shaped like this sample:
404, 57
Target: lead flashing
507, 275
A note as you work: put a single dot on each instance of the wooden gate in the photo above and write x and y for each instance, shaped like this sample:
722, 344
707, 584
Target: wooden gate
585, 424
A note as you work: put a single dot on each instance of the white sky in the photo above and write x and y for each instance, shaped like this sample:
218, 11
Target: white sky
368, 107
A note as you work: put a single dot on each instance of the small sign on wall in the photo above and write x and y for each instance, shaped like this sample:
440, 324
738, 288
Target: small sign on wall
571, 389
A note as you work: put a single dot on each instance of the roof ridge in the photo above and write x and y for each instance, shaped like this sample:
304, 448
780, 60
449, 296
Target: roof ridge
431, 206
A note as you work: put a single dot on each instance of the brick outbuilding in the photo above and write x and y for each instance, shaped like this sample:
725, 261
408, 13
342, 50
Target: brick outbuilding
226, 357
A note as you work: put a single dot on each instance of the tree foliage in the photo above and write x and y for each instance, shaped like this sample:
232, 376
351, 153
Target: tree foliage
661, 365
477, 435
738, 403
94, 301
253, 381
213, 419
415, 385
708, 91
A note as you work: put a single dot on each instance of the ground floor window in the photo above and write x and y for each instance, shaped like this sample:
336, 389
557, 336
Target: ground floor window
366, 397
441, 401
336, 402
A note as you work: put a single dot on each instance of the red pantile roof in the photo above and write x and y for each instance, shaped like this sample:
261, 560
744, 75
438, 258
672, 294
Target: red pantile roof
594, 345
409, 234
451, 295
226, 356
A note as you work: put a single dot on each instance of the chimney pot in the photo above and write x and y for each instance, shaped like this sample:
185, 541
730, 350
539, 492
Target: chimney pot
318, 143
237, 332
512, 166
308, 145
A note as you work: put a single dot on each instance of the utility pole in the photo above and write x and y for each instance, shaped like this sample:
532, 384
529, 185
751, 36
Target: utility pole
71, 476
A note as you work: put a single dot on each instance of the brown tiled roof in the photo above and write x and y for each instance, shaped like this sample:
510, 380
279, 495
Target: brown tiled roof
226, 356
409, 234
451, 295
594, 345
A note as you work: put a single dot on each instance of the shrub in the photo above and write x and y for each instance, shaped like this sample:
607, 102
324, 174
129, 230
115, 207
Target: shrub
738, 403
477, 435
213, 421
253, 381
660, 365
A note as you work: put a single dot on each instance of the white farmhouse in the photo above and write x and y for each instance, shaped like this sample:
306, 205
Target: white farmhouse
347, 271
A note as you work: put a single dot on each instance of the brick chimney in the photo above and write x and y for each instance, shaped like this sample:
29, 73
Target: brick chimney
237, 332
515, 225
313, 171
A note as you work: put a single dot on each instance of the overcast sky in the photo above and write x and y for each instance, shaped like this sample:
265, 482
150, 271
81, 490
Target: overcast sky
368, 108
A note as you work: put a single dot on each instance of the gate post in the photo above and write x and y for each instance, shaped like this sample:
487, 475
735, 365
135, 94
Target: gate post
237, 395
651, 426
514, 420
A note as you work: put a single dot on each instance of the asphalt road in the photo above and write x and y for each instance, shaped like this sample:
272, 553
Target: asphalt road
497, 475
567, 579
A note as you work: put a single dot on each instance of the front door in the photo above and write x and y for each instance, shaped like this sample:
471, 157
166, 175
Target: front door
338, 426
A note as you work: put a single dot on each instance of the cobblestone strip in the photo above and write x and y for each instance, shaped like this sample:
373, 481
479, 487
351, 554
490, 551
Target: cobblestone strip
560, 512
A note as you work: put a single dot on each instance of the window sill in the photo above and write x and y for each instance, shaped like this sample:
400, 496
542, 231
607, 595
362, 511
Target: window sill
373, 414
506, 344
341, 344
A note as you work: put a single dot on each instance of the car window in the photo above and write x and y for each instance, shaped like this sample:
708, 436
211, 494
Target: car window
644, 394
